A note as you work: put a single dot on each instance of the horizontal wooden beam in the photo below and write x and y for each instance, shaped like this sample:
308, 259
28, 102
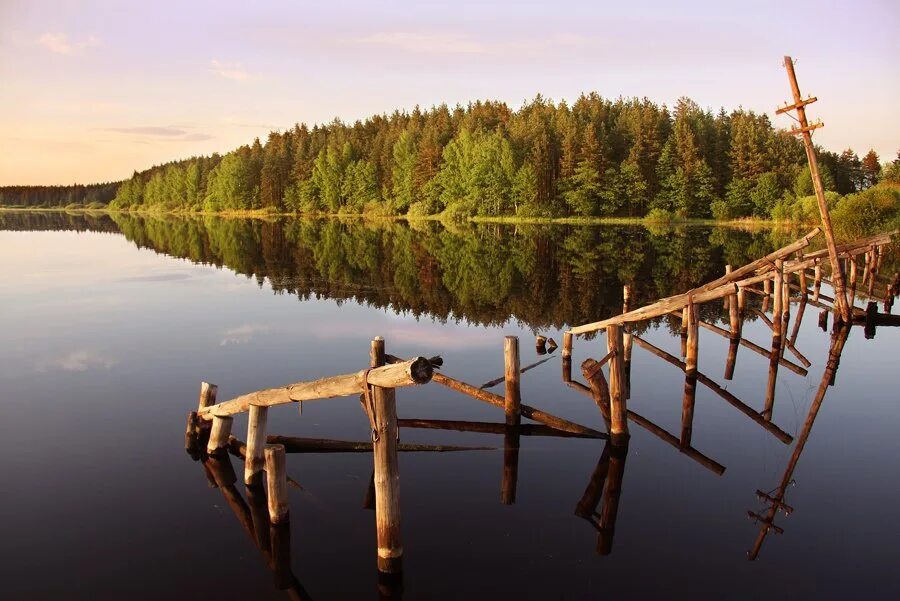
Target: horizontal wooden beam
406, 373
808, 128
796, 105
489, 428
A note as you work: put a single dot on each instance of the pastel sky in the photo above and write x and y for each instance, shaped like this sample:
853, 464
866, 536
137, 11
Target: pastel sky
91, 90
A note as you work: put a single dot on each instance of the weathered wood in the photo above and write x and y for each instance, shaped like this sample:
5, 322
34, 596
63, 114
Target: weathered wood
820, 192
618, 410
690, 377
498, 401
540, 345
484, 428
731, 358
406, 373
626, 343
612, 491
754, 347
721, 392
218, 435
191, 442
788, 342
852, 292
207, 395
296, 444
387, 471
551, 345
276, 484
817, 282
567, 357
713, 290
513, 395
256, 444
778, 299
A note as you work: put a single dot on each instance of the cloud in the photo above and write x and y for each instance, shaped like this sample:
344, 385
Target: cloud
60, 43
174, 134
425, 43
242, 334
234, 71
78, 361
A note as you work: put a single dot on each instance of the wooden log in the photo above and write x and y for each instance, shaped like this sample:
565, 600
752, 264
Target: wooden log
513, 396
789, 343
774, 357
540, 345
567, 357
276, 484
710, 291
218, 435
486, 428
612, 491
256, 444
731, 358
618, 410
191, 441
854, 247
551, 345
721, 392
587, 505
406, 373
626, 343
741, 300
498, 401
851, 296
207, 395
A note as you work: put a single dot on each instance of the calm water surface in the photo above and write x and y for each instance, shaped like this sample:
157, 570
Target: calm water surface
110, 325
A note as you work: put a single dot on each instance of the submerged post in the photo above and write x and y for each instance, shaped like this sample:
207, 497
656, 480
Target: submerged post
256, 444
817, 282
513, 405
276, 483
627, 341
618, 410
690, 377
778, 300
387, 473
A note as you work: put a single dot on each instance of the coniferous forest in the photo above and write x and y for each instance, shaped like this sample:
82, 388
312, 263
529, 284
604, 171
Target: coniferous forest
595, 158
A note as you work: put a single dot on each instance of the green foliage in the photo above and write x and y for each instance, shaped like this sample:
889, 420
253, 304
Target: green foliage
765, 194
872, 210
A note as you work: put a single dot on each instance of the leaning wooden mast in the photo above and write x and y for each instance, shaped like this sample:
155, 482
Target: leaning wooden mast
805, 130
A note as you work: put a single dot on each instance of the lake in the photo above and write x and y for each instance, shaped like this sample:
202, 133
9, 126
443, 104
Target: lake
111, 323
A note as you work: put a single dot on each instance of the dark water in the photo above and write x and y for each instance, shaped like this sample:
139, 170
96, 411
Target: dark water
110, 325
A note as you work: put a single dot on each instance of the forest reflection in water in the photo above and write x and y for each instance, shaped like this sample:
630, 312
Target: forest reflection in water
485, 274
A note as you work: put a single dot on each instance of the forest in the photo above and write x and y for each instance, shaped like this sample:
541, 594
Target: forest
595, 158
94, 196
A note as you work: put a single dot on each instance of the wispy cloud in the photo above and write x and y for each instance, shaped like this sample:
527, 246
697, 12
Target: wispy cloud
78, 361
426, 43
175, 134
233, 71
60, 43
242, 334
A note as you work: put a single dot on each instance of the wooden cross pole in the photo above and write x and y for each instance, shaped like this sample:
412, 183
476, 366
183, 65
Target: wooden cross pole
804, 130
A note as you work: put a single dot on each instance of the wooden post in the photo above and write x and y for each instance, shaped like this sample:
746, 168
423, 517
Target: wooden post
785, 310
218, 435
767, 294
567, 357
511, 374
741, 300
734, 316
817, 282
618, 408
852, 293
627, 342
612, 491
276, 483
727, 300
207, 394
387, 472
801, 280
837, 277
778, 300
684, 331
540, 345
690, 377
256, 444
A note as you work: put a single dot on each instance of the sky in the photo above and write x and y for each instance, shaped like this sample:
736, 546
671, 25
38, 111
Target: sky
93, 90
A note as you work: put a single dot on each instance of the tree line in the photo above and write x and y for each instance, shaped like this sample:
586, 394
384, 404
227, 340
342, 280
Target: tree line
596, 157
76, 195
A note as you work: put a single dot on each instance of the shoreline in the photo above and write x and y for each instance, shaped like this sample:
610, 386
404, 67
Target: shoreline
501, 220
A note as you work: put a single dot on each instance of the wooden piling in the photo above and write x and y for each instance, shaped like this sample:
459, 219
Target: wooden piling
207, 395
817, 282
627, 342
540, 345
778, 299
387, 472
618, 408
690, 377
218, 435
567, 357
510, 479
276, 483
256, 444
513, 405
852, 279
741, 300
